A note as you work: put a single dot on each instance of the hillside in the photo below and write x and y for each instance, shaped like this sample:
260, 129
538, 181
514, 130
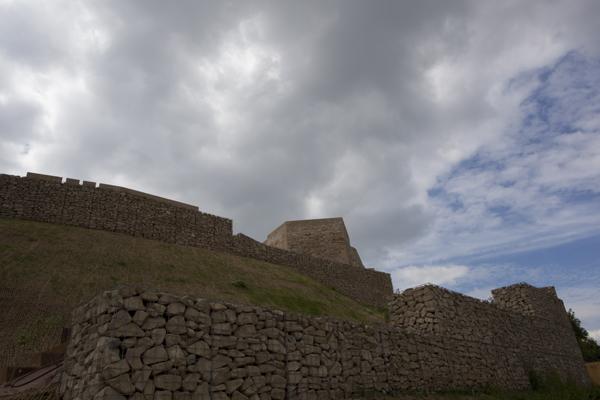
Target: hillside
47, 269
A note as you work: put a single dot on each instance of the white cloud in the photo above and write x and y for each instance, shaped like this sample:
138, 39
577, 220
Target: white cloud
437, 274
595, 335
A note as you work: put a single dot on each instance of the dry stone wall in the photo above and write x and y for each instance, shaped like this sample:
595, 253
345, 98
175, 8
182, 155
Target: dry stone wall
139, 344
502, 340
112, 208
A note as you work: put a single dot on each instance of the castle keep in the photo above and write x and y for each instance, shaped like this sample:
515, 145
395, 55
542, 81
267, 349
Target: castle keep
139, 344
325, 238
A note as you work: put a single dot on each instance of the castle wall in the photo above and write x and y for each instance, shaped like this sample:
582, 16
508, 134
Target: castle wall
529, 342
362, 284
112, 208
138, 344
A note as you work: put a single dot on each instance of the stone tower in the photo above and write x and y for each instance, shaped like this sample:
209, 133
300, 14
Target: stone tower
325, 238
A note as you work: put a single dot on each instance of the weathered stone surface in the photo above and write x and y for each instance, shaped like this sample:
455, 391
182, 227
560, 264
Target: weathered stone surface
176, 355
108, 393
176, 325
163, 395
122, 384
200, 348
139, 317
459, 340
158, 335
168, 382
155, 355
115, 369
190, 382
121, 318
175, 309
128, 330
201, 392
153, 323
221, 329
133, 303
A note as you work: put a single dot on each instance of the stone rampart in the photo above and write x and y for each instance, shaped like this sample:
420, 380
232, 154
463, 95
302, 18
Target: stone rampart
136, 344
526, 342
113, 208
363, 284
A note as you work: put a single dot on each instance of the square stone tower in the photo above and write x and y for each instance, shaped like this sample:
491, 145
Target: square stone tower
325, 238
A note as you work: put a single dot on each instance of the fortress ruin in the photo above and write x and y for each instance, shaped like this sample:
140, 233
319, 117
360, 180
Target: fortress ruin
136, 344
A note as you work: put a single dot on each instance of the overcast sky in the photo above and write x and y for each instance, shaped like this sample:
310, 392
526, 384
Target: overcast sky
458, 139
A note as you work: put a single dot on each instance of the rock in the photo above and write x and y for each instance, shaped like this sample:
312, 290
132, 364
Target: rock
176, 355
175, 309
199, 348
108, 393
119, 319
153, 323
122, 384
166, 298
171, 339
140, 317
238, 396
115, 369
201, 392
221, 329
190, 382
176, 325
133, 303
247, 318
128, 330
161, 367
155, 355
232, 385
163, 395
220, 361
158, 335
182, 396
275, 346
220, 375
149, 296
168, 382
194, 315
140, 378
278, 394
278, 381
293, 366
133, 357
245, 331
312, 360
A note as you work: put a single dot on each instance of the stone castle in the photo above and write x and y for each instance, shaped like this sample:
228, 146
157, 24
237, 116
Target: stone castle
138, 344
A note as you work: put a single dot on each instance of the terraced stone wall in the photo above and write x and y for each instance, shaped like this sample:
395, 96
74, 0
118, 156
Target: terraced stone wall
365, 285
112, 208
45, 198
497, 334
138, 344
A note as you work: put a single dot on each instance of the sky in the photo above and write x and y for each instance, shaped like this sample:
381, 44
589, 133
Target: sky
459, 140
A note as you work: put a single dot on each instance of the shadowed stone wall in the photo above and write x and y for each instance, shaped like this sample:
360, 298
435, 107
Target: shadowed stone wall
525, 342
112, 208
136, 344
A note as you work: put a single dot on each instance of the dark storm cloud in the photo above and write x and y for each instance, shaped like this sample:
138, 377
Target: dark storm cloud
268, 111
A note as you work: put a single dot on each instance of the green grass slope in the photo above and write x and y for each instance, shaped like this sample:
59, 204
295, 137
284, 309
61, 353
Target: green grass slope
47, 269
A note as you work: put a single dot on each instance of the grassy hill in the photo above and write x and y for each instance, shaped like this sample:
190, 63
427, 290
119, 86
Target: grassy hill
47, 269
